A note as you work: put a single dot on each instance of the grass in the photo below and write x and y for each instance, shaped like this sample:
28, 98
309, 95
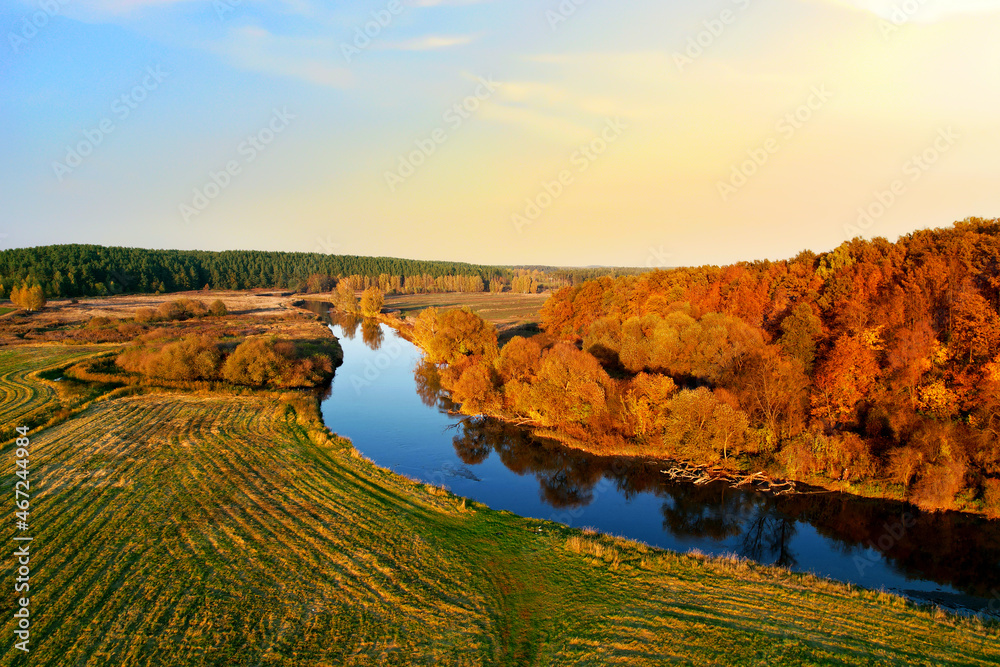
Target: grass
209, 529
6, 309
28, 398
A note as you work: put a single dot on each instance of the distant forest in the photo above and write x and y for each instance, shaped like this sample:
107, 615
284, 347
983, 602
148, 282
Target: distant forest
92, 270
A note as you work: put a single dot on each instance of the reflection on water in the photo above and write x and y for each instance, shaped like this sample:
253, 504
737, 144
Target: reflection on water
871, 542
952, 548
372, 334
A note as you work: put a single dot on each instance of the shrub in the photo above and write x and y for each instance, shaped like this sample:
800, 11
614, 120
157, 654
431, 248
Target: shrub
191, 358
192, 307
218, 309
169, 310
797, 457
991, 497
904, 464
844, 456
98, 322
259, 362
144, 315
254, 362
180, 309
938, 485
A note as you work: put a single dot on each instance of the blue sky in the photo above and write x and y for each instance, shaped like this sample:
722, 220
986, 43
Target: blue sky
502, 132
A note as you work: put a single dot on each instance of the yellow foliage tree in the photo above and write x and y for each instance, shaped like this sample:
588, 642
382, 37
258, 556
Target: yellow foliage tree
29, 298
372, 301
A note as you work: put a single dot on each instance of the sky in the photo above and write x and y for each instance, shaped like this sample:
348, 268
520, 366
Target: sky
558, 132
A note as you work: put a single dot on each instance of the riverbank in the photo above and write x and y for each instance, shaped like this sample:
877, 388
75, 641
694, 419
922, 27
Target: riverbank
760, 478
201, 527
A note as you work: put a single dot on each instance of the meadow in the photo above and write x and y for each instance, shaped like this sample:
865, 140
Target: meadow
506, 310
26, 398
187, 528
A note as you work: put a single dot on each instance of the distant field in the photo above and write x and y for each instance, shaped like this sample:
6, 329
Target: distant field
208, 529
505, 310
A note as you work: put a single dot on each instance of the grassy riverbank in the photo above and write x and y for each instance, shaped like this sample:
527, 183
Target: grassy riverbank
213, 529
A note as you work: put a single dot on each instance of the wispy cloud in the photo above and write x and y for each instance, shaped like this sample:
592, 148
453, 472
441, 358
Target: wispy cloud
315, 60
929, 11
430, 43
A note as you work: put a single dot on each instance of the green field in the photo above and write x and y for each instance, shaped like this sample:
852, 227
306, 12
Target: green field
504, 310
207, 529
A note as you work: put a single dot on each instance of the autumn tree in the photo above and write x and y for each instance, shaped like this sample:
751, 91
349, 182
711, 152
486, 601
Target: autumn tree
29, 298
800, 331
700, 427
645, 403
519, 360
446, 337
345, 297
772, 390
846, 376
372, 301
477, 392
571, 388
319, 282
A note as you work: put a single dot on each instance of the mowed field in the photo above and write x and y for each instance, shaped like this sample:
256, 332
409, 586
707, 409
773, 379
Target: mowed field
26, 398
211, 529
505, 310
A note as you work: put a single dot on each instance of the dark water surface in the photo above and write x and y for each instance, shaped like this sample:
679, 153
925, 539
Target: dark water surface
389, 408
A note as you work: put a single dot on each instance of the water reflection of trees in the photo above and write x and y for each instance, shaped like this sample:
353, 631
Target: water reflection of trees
348, 323
766, 538
428, 384
955, 549
372, 334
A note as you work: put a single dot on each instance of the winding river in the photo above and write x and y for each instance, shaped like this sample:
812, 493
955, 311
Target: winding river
394, 416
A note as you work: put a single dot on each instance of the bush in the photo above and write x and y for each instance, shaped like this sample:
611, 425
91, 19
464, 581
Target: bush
144, 315
169, 310
191, 358
218, 309
904, 464
98, 322
991, 497
845, 456
797, 457
260, 362
254, 362
181, 309
938, 485
193, 307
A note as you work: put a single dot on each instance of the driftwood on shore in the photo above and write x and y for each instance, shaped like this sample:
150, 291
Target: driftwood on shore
758, 481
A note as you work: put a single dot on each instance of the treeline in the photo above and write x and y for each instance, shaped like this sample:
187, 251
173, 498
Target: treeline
90, 270
876, 362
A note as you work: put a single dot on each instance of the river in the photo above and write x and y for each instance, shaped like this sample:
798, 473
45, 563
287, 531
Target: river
389, 408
